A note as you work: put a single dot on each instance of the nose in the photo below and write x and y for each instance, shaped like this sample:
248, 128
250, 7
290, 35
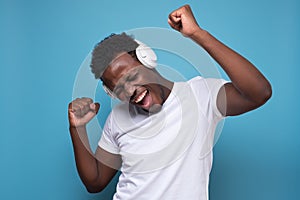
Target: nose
126, 90
129, 90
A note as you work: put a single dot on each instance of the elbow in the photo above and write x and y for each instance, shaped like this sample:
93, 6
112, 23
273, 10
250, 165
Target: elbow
268, 93
265, 95
93, 190
94, 187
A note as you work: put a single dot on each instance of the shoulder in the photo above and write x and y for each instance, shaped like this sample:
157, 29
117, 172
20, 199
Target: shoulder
206, 91
206, 85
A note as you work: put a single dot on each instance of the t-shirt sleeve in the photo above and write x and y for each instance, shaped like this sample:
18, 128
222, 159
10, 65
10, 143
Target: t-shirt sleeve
206, 91
107, 140
214, 85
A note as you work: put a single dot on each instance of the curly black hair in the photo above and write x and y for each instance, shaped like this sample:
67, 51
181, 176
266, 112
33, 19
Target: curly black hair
106, 50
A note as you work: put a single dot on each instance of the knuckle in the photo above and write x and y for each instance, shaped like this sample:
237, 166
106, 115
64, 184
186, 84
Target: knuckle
86, 105
86, 99
80, 106
72, 105
90, 100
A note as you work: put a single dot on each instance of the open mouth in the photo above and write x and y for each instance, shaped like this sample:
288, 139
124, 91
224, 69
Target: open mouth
142, 98
139, 98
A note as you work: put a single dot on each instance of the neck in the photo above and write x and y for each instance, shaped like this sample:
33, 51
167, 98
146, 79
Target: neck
166, 87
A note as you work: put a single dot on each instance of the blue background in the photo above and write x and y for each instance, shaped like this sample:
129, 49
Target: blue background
43, 43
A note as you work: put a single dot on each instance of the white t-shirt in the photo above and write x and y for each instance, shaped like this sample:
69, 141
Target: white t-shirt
167, 155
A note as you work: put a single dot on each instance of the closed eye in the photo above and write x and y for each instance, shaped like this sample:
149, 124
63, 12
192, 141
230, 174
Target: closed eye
132, 77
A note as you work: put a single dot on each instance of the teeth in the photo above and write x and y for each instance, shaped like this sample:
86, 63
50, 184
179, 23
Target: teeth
140, 97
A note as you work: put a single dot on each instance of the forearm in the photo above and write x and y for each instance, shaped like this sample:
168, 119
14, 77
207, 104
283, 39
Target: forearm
85, 161
244, 75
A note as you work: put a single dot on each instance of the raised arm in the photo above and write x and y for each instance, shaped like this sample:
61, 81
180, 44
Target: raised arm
94, 174
248, 89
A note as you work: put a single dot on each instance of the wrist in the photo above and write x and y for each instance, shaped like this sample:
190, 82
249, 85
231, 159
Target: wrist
77, 128
199, 35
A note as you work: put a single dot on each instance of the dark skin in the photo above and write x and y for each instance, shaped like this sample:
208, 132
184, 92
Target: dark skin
128, 79
248, 90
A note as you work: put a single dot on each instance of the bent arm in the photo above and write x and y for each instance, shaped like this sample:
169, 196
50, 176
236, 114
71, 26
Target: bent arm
248, 89
94, 174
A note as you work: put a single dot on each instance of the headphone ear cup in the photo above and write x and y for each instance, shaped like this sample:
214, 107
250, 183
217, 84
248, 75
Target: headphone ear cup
108, 91
146, 55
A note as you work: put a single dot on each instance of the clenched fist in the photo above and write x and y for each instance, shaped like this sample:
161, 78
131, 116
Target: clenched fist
184, 21
81, 111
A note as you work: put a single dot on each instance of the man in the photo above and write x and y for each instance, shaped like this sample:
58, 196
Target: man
161, 137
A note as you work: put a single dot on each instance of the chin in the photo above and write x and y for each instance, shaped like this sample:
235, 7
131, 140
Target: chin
155, 108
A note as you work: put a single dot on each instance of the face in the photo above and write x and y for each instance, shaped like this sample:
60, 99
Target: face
132, 82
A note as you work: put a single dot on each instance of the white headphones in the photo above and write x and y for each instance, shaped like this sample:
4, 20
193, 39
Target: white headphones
145, 55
